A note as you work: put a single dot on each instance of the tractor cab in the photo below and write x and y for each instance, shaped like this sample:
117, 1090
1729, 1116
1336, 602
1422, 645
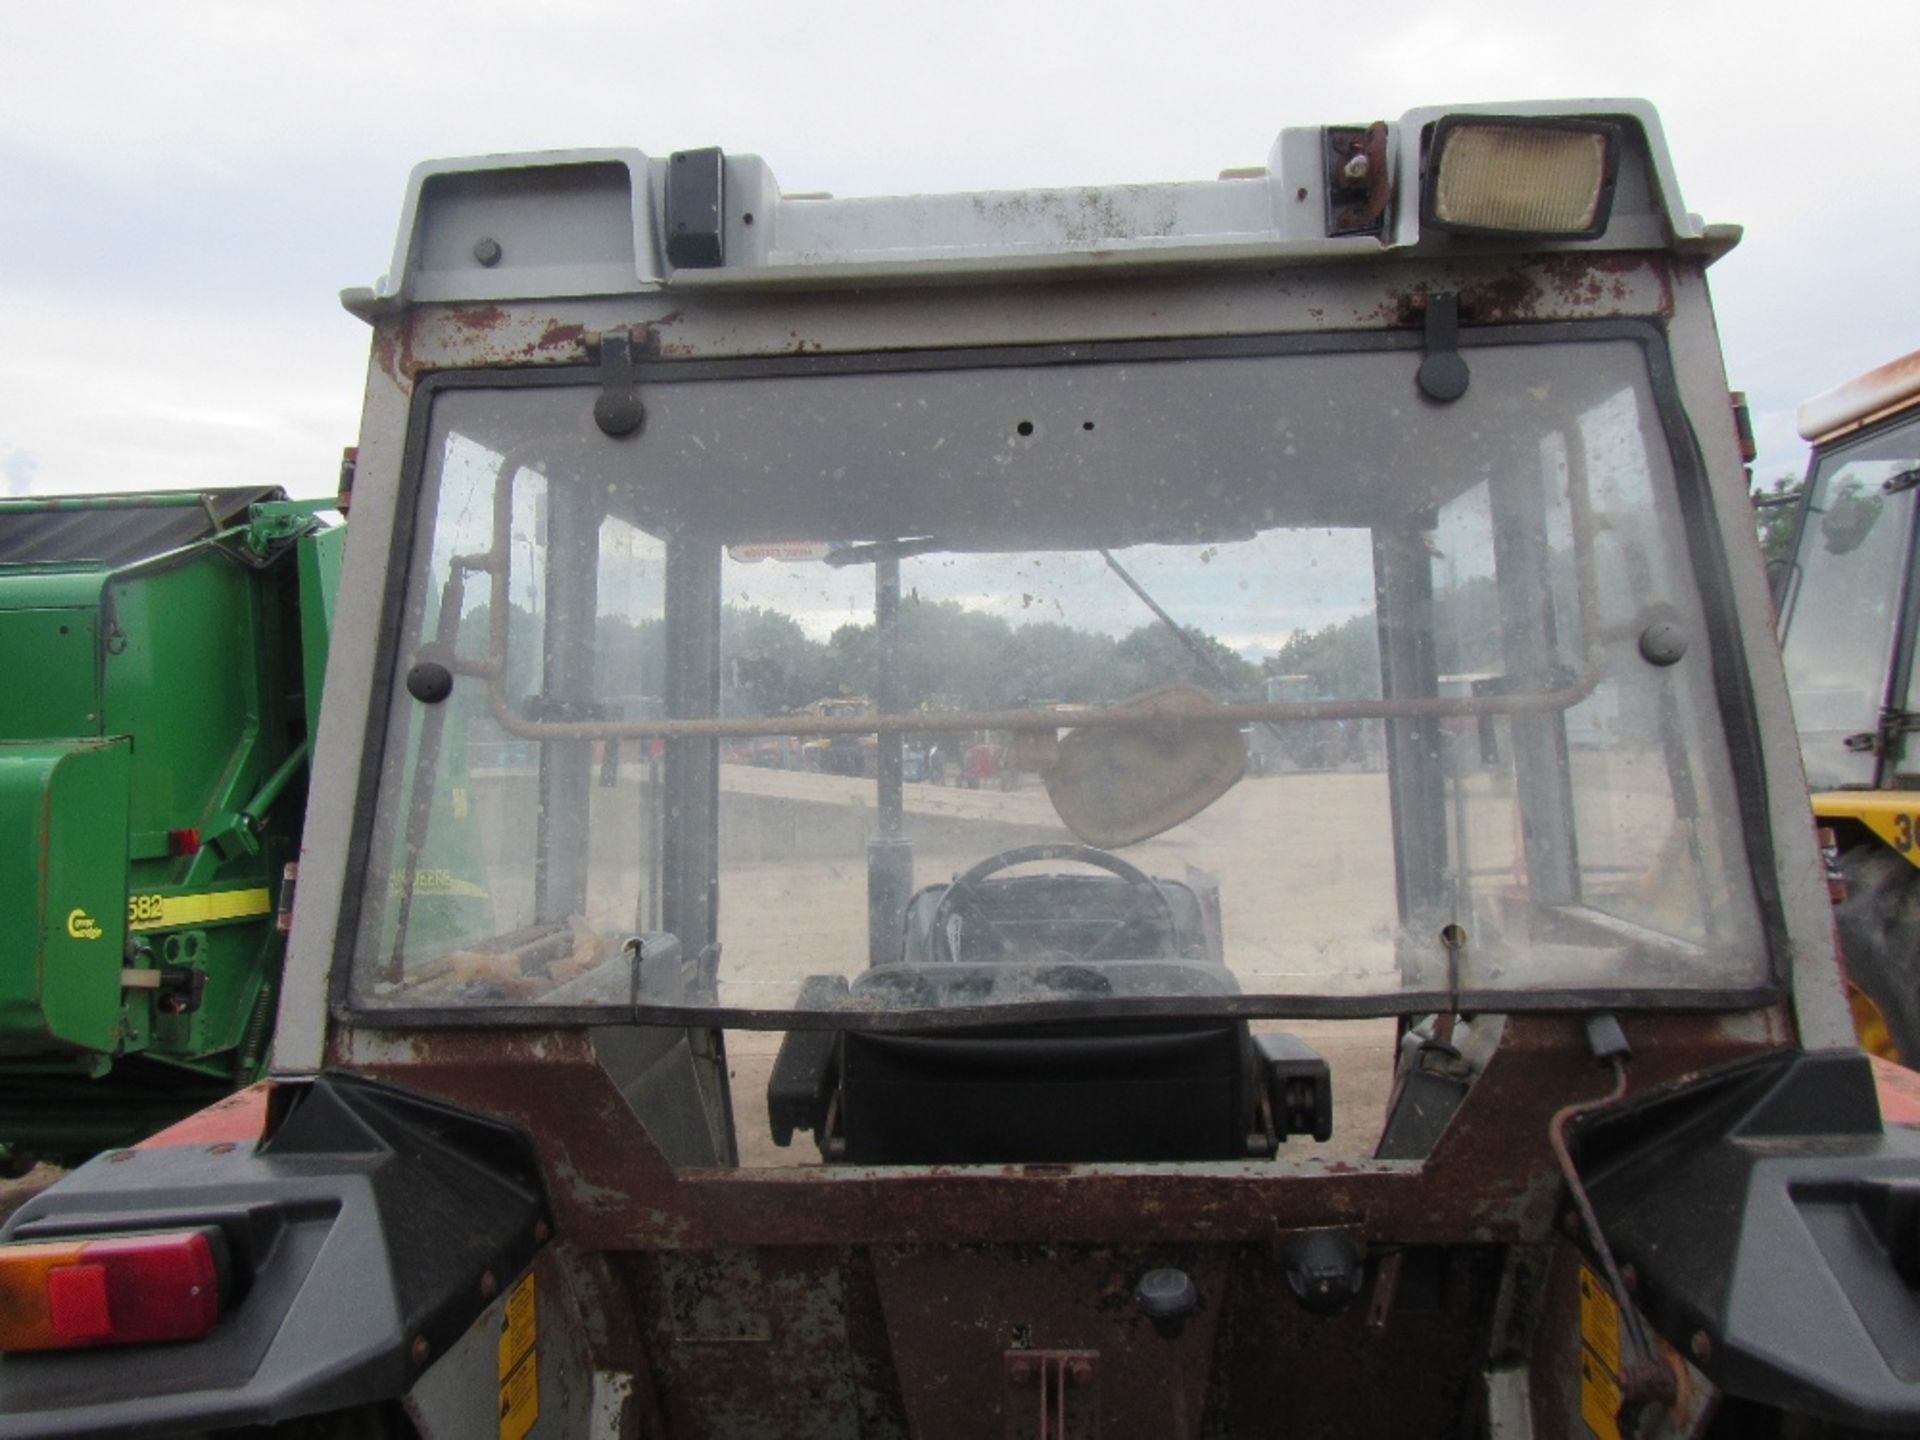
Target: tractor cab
1371, 977
1848, 602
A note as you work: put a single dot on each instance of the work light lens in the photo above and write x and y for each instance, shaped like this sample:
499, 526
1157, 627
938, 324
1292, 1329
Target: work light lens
1543, 180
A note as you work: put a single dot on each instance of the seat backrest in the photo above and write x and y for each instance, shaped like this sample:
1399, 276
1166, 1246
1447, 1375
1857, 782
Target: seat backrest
1086, 1092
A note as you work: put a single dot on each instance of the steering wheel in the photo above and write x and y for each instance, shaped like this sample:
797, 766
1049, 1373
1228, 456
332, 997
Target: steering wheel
962, 897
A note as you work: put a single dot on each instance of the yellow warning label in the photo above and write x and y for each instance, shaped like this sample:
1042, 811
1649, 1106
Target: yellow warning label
519, 1367
1599, 1397
520, 1400
1599, 1320
517, 1322
167, 912
1599, 1357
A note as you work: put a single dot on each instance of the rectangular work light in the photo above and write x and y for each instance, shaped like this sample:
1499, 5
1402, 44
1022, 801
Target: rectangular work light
110, 1290
1545, 179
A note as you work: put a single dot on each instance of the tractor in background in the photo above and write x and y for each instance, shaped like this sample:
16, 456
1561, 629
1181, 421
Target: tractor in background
1849, 604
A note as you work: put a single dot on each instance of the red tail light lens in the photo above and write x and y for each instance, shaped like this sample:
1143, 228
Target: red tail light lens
77, 1302
116, 1290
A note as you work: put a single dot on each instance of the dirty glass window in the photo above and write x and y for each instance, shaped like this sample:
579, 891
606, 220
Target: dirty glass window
490, 844
1599, 810
1210, 678
1838, 642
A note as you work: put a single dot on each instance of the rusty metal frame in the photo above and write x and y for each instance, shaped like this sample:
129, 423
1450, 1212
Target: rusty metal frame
1491, 1177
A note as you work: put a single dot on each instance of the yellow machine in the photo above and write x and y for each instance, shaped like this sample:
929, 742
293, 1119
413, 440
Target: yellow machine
840, 754
1848, 611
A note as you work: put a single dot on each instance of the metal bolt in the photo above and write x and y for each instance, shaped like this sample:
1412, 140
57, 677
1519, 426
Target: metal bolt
489, 1287
225, 1147
1021, 1372
421, 1350
1629, 1276
487, 251
1166, 1294
1663, 643
117, 1156
1080, 1372
1702, 1346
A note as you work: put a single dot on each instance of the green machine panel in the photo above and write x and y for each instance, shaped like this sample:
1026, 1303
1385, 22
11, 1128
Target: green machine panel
63, 897
57, 648
164, 654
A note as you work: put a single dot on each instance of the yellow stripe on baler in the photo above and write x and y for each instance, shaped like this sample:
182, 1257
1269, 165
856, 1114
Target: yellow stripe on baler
170, 912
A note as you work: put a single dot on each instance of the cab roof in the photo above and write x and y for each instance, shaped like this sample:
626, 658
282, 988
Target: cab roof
1861, 400
604, 222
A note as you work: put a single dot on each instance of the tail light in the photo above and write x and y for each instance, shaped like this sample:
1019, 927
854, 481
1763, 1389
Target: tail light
110, 1290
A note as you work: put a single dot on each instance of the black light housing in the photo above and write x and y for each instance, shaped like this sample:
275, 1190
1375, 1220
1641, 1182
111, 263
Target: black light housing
1531, 177
696, 209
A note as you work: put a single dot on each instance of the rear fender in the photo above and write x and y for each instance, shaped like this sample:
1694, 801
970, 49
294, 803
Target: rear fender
370, 1228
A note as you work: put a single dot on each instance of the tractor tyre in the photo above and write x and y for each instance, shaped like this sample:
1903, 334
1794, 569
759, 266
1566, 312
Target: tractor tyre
1879, 926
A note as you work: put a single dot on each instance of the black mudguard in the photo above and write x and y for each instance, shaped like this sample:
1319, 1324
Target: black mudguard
1774, 1227
369, 1228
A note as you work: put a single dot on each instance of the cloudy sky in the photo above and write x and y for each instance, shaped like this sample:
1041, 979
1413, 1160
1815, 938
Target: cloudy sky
185, 187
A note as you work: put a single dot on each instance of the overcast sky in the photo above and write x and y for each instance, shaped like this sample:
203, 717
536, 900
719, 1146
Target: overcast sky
184, 188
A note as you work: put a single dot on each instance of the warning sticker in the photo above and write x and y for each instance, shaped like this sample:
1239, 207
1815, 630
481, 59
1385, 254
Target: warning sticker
1599, 1357
520, 1400
1599, 1320
1599, 1398
519, 1367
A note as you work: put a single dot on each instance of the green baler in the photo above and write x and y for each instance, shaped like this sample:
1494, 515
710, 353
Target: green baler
162, 657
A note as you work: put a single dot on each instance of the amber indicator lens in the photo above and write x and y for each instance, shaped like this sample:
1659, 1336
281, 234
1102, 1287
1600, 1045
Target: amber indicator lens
1509, 178
114, 1290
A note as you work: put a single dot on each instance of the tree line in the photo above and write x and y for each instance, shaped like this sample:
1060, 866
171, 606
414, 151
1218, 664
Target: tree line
950, 657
